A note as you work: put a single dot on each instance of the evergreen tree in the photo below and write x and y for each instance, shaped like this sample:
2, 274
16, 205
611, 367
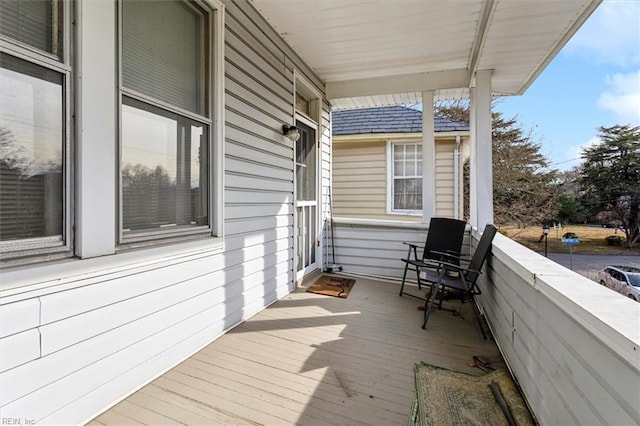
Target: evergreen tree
523, 190
571, 209
610, 176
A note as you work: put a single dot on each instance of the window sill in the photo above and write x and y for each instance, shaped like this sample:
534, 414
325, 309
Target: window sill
34, 280
406, 213
381, 223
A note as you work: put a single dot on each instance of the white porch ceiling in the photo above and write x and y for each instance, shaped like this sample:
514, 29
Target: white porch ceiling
385, 52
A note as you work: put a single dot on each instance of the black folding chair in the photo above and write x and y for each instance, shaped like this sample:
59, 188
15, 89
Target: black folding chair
444, 242
442, 275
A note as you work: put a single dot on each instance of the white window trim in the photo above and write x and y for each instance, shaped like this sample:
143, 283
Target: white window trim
216, 132
91, 169
97, 95
304, 87
53, 247
390, 178
215, 121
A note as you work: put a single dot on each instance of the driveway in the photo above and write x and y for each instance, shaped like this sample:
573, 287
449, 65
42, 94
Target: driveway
589, 264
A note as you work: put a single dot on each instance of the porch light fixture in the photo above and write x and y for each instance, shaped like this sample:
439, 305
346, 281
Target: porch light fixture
292, 132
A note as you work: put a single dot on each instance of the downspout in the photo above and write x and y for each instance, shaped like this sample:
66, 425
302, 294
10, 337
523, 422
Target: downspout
456, 178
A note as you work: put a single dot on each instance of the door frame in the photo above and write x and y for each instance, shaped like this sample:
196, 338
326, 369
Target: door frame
306, 89
309, 239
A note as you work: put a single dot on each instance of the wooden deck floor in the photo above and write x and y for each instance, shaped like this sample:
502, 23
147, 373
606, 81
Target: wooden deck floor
311, 359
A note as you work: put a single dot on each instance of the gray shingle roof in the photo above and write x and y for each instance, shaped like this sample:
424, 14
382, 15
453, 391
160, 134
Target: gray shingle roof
390, 119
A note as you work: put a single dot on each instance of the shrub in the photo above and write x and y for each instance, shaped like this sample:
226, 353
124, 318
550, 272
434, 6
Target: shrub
614, 240
569, 235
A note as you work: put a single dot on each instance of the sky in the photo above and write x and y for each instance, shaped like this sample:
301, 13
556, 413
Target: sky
594, 81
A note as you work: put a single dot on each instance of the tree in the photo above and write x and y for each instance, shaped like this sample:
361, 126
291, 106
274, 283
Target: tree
148, 196
568, 180
572, 205
12, 155
610, 176
571, 209
523, 190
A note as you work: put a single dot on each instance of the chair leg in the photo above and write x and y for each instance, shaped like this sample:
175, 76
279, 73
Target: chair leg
404, 277
428, 303
442, 290
476, 313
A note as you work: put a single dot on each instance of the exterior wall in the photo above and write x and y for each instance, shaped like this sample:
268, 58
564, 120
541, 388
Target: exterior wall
571, 343
78, 335
326, 167
360, 179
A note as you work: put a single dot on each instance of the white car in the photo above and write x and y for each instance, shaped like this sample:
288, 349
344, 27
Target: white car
623, 279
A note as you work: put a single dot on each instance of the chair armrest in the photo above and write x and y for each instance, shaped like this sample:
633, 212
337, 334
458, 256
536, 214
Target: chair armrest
412, 248
427, 263
454, 267
412, 244
447, 253
453, 254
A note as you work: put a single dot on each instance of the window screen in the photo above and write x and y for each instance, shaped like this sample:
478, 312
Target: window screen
164, 169
305, 163
31, 150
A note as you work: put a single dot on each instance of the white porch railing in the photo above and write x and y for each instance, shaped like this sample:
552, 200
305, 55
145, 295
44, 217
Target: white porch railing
572, 345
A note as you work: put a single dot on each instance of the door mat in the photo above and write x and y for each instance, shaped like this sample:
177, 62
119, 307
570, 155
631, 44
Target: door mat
332, 286
446, 397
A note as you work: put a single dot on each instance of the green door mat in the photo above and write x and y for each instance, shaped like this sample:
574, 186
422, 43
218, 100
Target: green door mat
446, 397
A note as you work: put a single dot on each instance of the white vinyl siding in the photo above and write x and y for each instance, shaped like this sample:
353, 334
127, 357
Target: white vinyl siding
88, 332
374, 248
359, 179
575, 361
445, 178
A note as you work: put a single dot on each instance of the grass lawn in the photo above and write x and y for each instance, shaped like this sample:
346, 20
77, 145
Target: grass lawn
592, 239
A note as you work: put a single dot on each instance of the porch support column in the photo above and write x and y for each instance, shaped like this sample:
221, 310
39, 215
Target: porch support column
428, 159
96, 123
481, 179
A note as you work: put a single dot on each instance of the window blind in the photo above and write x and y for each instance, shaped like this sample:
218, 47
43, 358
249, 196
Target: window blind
162, 52
30, 22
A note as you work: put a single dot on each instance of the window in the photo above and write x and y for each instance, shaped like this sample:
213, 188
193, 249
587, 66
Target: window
34, 129
165, 134
35, 23
406, 177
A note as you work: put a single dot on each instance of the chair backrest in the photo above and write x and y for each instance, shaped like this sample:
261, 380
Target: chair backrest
481, 253
445, 235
